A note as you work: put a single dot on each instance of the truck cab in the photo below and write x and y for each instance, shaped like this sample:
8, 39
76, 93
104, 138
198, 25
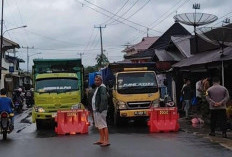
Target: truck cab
135, 91
55, 90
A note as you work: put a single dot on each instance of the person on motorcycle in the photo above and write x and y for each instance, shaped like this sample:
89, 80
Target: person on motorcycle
6, 104
17, 96
29, 97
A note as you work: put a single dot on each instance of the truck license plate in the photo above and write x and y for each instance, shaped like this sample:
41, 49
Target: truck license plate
140, 113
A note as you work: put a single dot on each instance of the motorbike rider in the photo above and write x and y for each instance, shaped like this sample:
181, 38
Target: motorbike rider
17, 96
29, 97
6, 105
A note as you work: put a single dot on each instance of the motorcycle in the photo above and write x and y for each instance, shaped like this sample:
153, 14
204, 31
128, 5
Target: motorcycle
6, 125
29, 99
18, 106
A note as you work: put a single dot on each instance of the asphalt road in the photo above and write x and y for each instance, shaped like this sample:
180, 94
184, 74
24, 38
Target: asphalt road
128, 141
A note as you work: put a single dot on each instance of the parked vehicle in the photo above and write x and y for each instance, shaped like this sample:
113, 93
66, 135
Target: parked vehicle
58, 84
134, 89
6, 125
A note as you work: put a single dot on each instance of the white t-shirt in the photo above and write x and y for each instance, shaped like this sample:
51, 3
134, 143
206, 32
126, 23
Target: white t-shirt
198, 87
94, 97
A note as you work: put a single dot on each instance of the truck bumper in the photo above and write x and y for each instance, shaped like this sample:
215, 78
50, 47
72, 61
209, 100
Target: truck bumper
42, 116
134, 113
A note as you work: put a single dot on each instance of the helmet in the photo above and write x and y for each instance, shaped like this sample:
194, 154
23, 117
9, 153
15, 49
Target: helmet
20, 90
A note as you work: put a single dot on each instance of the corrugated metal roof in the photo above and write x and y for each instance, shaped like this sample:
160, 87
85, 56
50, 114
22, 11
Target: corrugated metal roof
183, 44
206, 57
162, 55
175, 29
143, 45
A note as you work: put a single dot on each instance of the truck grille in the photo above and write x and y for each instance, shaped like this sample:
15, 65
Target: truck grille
139, 104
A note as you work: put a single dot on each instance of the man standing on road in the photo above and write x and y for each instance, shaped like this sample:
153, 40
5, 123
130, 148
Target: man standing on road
217, 96
100, 105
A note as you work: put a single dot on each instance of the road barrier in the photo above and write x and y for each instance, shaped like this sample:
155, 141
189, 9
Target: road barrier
72, 122
163, 119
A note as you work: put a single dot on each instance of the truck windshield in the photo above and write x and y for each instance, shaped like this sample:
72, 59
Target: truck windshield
56, 85
137, 83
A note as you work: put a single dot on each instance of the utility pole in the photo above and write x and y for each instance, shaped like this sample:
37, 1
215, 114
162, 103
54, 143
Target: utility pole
147, 32
100, 28
28, 56
1, 41
81, 54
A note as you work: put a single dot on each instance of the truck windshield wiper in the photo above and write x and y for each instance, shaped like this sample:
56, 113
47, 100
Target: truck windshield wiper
70, 90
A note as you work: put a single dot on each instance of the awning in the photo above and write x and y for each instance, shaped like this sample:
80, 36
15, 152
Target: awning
206, 57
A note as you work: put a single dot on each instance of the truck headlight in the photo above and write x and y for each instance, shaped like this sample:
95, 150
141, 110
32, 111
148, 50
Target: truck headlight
155, 104
121, 105
39, 109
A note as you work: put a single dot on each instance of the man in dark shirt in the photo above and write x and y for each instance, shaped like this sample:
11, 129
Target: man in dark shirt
217, 97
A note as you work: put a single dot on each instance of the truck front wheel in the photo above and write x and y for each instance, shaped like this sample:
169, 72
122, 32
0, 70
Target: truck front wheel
118, 120
39, 125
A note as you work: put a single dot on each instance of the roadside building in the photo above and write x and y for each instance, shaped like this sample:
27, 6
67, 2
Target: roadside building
10, 78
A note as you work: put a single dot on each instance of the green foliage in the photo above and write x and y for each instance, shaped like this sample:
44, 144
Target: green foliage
102, 60
90, 69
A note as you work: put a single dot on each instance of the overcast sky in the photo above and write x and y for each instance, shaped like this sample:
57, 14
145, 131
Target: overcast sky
65, 28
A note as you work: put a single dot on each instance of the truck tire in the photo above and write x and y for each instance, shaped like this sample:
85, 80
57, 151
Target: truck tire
4, 135
118, 121
39, 125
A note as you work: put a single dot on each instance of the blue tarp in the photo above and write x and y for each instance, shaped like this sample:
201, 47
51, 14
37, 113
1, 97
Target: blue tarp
107, 76
92, 77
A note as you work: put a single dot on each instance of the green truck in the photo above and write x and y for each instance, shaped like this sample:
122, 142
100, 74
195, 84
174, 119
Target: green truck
58, 85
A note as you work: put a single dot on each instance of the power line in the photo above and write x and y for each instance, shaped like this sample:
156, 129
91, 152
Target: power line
171, 13
165, 12
116, 12
86, 47
53, 39
222, 17
138, 24
93, 44
125, 12
110, 16
73, 50
176, 4
136, 11
22, 21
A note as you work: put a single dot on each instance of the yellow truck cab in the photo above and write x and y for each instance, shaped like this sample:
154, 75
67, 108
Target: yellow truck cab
135, 90
55, 90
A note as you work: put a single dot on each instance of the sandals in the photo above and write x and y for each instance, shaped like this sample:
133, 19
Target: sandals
105, 145
98, 143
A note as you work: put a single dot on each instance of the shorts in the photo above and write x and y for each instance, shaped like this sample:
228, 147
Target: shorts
100, 119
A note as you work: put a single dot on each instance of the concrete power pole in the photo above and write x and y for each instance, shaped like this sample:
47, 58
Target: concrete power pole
100, 28
1, 55
81, 54
28, 56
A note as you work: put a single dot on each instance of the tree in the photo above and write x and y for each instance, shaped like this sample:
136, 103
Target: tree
102, 60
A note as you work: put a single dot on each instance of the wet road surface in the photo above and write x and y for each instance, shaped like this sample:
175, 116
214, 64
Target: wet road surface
127, 141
